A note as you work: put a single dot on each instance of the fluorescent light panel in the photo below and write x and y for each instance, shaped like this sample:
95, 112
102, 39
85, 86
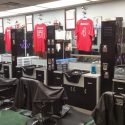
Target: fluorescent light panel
40, 7
95, 0
62, 3
20, 11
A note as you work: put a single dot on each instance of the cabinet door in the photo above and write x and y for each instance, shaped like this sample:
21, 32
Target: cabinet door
19, 73
50, 78
58, 78
90, 93
71, 95
55, 79
119, 87
6, 71
81, 97
75, 95
40, 75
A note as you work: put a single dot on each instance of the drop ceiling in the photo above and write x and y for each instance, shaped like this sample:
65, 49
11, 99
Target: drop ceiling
14, 4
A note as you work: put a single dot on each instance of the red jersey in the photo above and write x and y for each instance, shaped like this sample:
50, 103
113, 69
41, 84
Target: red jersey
39, 36
84, 32
7, 38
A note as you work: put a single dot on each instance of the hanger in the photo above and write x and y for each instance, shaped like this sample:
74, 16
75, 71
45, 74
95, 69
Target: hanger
9, 21
40, 19
84, 13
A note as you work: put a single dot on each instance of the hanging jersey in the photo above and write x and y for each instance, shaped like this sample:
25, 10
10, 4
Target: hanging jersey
39, 36
7, 38
84, 32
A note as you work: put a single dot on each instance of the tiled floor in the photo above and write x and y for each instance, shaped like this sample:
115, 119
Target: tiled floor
76, 116
83, 110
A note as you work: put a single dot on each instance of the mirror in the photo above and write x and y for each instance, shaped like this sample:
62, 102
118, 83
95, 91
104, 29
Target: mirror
95, 43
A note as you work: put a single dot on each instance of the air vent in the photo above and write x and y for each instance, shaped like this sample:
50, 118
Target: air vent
11, 4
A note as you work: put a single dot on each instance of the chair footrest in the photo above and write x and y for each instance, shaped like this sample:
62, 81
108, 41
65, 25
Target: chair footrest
65, 110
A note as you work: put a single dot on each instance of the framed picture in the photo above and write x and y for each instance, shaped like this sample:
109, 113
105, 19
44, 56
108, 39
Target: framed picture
97, 21
1, 25
29, 22
70, 19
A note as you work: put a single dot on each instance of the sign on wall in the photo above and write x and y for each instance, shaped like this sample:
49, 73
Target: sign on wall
70, 19
97, 21
1, 25
29, 23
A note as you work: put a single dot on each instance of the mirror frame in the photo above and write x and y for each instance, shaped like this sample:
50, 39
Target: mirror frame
70, 18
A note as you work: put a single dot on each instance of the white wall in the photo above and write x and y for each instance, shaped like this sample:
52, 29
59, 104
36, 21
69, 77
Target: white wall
50, 17
108, 10
19, 19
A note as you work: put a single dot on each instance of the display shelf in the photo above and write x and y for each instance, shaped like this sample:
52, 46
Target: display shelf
25, 61
80, 55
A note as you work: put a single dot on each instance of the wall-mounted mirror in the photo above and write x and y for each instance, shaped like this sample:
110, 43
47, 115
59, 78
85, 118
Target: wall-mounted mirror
95, 42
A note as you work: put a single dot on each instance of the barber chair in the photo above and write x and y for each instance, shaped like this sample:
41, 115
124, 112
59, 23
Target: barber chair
110, 109
33, 95
7, 91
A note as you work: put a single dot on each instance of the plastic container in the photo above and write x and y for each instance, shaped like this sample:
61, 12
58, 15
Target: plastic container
93, 68
72, 59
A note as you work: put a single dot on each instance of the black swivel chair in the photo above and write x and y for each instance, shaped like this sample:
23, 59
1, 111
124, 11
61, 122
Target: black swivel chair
110, 109
7, 91
33, 95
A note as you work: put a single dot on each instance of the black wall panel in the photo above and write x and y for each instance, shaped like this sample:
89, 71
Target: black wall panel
17, 36
108, 52
2, 43
20, 42
29, 38
51, 32
110, 38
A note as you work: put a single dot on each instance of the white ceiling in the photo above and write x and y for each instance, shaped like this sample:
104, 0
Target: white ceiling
13, 4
